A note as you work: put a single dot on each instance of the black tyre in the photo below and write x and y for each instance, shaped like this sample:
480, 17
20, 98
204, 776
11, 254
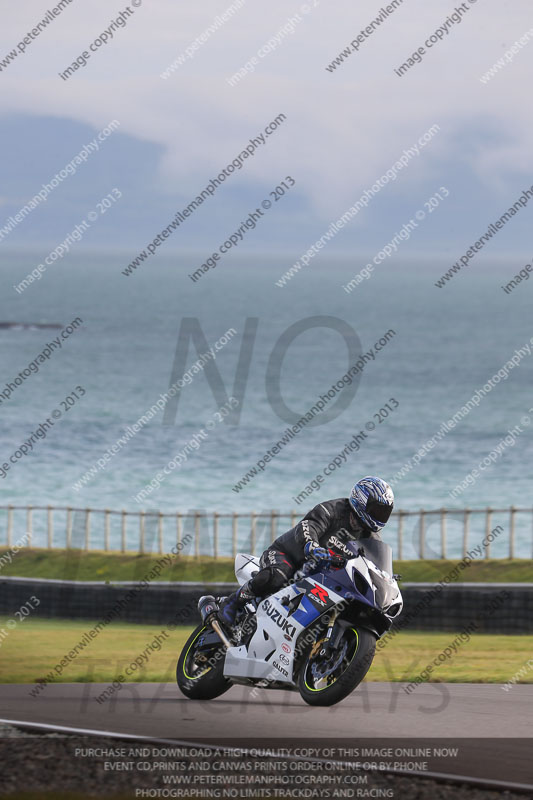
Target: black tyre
199, 673
324, 681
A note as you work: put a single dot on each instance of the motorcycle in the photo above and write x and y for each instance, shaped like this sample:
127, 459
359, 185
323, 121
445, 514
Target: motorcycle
316, 636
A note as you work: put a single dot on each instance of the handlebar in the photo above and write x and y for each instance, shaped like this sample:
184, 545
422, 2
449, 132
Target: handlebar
306, 569
312, 565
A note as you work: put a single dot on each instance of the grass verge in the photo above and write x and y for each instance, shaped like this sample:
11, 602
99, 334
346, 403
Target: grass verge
98, 566
34, 647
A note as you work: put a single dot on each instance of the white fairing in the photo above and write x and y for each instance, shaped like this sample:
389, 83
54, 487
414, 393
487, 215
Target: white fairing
270, 653
245, 567
251, 662
384, 586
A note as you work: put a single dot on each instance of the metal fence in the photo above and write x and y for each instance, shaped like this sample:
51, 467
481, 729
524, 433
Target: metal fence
439, 533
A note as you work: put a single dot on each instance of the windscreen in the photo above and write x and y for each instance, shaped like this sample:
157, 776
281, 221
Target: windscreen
379, 552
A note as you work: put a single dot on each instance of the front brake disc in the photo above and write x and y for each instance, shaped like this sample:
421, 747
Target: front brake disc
322, 669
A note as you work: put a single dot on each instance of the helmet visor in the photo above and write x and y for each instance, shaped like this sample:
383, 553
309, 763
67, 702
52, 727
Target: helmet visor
378, 511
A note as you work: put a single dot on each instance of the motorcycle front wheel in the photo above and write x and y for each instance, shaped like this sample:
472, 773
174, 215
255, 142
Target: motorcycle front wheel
199, 673
326, 679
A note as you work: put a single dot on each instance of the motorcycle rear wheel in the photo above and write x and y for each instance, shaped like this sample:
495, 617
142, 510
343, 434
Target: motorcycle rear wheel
200, 675
324, 681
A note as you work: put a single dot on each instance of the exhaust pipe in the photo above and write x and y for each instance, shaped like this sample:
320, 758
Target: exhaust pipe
207, 605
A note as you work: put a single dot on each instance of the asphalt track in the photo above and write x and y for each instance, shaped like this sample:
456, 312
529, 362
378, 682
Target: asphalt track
492, 726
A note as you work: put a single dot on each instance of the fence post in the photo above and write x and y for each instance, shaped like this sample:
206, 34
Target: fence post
215, 535
466, 531
141, 532
9, 525
123, 532
512, 527
87, 528
234, 533
179, 529
69, 528
29, 524
422, 547
488, 528
106, 530
443, 533
400, 535
254, 516
293, 518
254, 531
160, 531
197, 534
273, 530
49, 527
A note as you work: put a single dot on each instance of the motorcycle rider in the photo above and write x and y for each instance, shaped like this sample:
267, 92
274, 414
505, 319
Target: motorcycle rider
321, 536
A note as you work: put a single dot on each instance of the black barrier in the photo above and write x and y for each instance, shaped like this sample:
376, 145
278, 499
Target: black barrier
427, 607
155, 603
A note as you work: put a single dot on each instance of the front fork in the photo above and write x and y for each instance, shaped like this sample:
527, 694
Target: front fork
329, 642
215, 624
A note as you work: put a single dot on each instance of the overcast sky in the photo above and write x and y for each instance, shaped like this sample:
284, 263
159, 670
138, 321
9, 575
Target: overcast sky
343, 129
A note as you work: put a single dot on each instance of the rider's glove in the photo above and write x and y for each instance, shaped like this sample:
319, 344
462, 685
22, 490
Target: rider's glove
314, 551
338, 562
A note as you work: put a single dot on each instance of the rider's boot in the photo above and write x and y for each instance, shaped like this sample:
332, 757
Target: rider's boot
230, 606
